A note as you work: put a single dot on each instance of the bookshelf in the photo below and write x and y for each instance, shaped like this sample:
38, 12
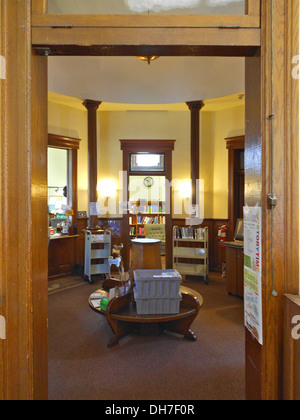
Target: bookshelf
190, 251
141, 213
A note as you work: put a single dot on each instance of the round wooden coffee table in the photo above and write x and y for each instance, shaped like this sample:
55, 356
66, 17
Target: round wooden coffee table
122, 317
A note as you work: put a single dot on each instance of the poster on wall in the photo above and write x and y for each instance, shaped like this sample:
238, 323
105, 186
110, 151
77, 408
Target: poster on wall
252, 272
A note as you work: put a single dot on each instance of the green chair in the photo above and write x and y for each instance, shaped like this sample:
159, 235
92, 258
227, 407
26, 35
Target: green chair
157, 231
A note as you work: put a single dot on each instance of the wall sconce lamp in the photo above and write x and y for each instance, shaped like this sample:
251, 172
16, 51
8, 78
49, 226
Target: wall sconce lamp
185, 189
107, 188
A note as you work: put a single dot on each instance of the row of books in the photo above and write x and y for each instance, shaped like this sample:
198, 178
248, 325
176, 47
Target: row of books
151, 220
189, 233
133, 231
147, 208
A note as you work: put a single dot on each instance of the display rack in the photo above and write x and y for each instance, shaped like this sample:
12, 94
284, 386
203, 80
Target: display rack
97, 253
190, 251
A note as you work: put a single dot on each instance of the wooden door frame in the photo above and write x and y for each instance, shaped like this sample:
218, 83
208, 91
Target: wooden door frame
232, 144
23, 187
152, 146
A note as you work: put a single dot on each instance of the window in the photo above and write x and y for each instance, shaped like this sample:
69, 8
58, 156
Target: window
58, 183
62, 175
147, 7
147, 162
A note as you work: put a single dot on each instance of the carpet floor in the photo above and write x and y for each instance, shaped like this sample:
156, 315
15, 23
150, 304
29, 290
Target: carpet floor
151, 367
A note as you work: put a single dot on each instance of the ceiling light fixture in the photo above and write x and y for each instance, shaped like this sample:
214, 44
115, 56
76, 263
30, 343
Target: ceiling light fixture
148, 59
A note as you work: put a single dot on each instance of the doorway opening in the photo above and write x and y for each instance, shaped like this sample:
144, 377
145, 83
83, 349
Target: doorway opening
221, 312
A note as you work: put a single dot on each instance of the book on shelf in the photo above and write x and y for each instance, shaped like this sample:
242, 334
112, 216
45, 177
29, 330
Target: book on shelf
189, 233
147, 208
150, 220
141, 232
132, 231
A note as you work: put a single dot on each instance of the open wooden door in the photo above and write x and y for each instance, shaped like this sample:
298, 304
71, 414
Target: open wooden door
271, 169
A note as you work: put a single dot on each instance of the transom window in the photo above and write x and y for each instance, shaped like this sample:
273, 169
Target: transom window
170, 7
147, 162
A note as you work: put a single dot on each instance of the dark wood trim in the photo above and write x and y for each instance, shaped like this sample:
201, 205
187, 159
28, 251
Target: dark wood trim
62, 142
152, 146
125, 228
74, 186
195, 108
92, 107
149, 50
233, 145
236, 143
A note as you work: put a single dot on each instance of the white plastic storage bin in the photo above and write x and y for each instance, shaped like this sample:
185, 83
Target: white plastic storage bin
157, 283
157, 305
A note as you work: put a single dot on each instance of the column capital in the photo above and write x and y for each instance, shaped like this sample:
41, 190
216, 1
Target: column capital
195, 105
90, 104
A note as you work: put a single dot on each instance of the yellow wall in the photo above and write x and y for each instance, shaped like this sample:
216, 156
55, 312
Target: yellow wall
174, 125
116, 125
226, 123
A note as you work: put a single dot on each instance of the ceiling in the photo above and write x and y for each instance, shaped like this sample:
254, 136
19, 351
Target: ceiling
128, 80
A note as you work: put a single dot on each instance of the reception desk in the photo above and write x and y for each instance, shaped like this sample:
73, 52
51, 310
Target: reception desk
61, 255
235, 268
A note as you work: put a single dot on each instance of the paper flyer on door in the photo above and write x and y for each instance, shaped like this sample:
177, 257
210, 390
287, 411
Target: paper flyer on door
252, 272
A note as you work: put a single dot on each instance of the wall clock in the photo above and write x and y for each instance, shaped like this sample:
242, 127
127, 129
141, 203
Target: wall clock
148, 181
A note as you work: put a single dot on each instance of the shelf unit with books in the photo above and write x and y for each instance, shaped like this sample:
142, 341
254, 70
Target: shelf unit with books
190, 251
141, 213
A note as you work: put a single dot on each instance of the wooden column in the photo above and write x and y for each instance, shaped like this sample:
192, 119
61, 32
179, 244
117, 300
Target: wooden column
92, 107
195, 108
